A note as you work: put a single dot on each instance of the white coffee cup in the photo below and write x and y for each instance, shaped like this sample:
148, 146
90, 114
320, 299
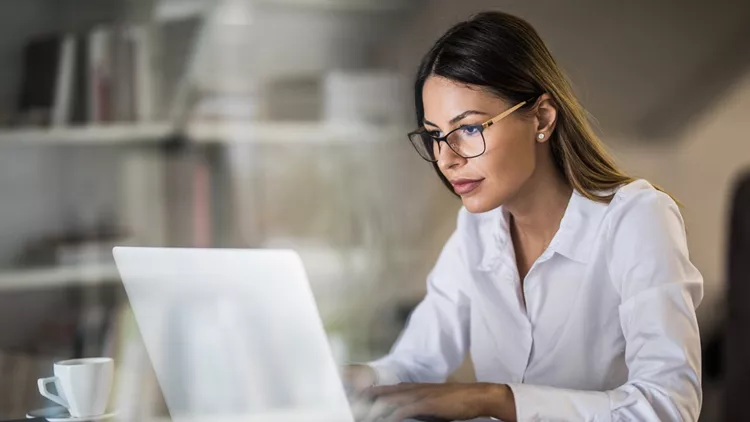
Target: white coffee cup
83, 385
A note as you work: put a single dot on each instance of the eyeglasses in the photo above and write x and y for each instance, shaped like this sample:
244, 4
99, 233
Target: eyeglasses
467, 141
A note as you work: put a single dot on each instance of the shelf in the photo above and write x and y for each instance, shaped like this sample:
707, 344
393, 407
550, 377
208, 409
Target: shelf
220, 132
292, 133
115, 134
74, 275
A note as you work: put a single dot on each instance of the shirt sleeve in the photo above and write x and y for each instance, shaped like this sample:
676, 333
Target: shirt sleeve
660, 288
435, 339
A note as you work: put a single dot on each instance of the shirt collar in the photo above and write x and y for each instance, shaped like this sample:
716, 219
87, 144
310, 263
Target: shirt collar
573, 240
578, 228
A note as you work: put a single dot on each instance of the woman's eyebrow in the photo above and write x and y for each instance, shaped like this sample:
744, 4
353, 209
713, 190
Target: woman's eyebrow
458, 118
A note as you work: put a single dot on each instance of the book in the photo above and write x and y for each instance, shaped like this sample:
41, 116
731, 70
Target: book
80, 112
143, 65
100, 69
61, 111
41, 58
123, 76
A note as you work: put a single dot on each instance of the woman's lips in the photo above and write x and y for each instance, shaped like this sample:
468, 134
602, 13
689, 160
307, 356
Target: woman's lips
464, 186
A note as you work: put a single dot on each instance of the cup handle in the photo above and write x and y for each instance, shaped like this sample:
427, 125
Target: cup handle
57, 398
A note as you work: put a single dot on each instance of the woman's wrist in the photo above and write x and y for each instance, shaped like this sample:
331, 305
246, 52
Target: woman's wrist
497, 401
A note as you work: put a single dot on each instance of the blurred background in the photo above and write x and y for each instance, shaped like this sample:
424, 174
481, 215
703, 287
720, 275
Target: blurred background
281, 123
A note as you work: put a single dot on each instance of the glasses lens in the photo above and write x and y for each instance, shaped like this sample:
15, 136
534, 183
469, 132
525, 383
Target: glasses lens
467, 141
425, 145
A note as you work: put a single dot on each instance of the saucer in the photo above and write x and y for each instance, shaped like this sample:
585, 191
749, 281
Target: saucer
61, 414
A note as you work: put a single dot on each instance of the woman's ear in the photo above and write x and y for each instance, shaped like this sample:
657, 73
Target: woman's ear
545, 116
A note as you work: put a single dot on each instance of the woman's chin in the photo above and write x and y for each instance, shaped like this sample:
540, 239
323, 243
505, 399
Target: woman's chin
476, 204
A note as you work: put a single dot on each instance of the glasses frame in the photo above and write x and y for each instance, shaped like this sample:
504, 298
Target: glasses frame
484, 127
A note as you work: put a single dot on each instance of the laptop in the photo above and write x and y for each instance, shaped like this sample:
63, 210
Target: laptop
233, 334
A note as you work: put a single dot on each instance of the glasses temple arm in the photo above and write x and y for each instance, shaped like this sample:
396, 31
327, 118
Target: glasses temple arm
503, 115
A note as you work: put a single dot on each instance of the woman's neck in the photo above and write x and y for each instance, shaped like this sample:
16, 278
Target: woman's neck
538, 209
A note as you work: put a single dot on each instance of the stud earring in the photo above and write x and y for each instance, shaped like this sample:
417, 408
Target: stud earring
540, 136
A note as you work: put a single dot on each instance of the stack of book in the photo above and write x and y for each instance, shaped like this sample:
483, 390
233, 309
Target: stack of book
100, 76
108, 74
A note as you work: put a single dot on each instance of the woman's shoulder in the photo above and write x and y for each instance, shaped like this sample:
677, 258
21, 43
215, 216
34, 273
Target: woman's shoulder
643, 222
647, 242
639, 200
636, 188
638, 218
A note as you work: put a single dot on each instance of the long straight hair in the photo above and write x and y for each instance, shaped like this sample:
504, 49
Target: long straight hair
504, 55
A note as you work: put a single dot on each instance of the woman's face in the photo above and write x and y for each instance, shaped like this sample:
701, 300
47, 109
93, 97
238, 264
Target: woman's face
490, 180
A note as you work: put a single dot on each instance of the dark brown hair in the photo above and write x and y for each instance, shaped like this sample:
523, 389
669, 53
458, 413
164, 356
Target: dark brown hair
504, 55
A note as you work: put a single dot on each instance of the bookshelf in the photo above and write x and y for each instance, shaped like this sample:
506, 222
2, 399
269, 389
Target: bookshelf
157, 189
60, 276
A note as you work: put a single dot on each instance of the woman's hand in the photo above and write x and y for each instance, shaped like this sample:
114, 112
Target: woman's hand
440, 402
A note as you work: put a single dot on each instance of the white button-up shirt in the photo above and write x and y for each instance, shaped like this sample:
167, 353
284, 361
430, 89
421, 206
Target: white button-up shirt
608, 330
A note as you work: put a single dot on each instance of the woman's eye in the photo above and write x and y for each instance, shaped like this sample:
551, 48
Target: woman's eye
471, 130
434, 134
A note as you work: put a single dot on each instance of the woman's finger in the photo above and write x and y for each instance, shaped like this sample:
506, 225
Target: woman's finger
379, 409
409, 411
388, 405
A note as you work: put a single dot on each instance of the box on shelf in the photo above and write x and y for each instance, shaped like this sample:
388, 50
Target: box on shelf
374, 97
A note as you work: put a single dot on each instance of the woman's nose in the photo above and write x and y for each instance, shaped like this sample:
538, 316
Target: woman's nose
447, 158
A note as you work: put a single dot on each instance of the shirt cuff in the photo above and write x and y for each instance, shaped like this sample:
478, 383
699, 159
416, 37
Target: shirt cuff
540, 403
386, 373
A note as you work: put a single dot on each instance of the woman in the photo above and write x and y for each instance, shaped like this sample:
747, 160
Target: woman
567, 281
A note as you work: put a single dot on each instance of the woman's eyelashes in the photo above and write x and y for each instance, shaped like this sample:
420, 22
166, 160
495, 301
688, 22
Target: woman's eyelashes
435, 133
471, 130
